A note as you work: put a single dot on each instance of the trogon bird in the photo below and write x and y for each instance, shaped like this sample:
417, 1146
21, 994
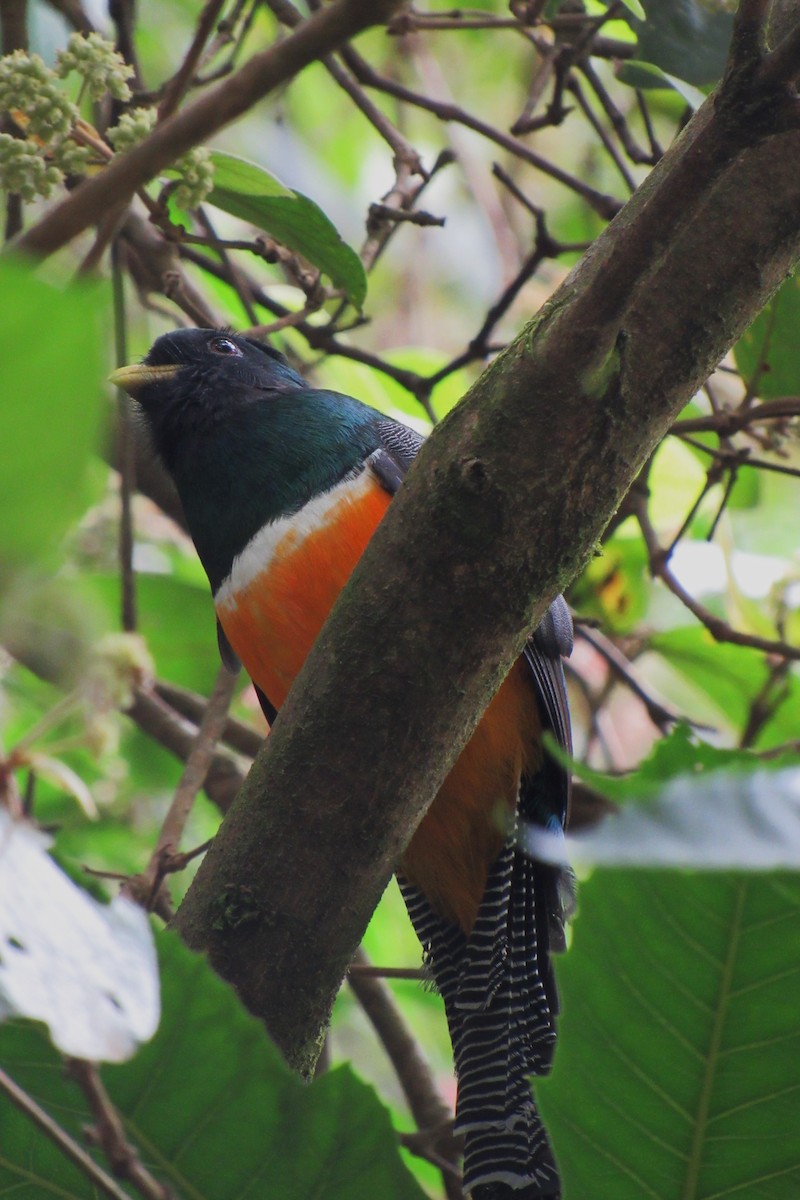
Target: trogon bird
282, 486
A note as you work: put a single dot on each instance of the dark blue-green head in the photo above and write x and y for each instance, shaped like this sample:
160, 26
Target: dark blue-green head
244, 437
195, 382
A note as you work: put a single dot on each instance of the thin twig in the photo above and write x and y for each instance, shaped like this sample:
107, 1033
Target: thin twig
165, 726
179, 84
656, 149
235, 734
108, 1132
206, 115
231, 269
371, 972
606, 206
720, 630
768, 699
728, 421
416, 1079
577, 91
127, 455
618, 121
740, 458
658, 712
146, 888
197, 763
66, 1144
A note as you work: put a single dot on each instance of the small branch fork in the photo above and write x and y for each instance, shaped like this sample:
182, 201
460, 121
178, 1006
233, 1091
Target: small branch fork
105, 1184
434, 1140
147, 888
108, 1132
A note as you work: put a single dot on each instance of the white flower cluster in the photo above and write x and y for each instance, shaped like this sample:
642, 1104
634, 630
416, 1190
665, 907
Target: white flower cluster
46, 150
194, 169
29, 91
103, 68
24, 170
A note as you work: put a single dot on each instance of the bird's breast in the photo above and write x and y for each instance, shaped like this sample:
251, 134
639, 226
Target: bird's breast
273, 604
285, 581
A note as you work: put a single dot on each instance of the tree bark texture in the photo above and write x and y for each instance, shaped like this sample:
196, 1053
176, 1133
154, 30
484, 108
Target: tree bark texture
502, 508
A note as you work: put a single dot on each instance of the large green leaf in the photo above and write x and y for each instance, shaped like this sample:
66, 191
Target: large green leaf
53, 347
211, 1107
687, 39
676, 1075
639, 74
247, 191
766, 354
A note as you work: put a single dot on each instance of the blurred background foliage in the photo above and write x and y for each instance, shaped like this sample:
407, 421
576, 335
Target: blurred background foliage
530, 124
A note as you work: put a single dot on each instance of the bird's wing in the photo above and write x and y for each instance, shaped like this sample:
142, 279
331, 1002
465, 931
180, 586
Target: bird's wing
544, 652
398, 448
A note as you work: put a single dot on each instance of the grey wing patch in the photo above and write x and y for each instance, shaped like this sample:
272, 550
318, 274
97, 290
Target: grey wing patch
402, 443
398, 449
229, 657
388, 473
553, 635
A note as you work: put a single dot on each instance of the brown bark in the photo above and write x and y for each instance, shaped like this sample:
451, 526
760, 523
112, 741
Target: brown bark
504, 505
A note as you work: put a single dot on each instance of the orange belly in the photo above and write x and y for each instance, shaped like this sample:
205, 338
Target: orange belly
272, 623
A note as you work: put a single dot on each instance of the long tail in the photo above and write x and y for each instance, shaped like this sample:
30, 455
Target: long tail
500, 1001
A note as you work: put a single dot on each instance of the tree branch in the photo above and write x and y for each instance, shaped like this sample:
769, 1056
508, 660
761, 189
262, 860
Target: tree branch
431, 1114
67, 1145
505, 503
109, 1133
212, 111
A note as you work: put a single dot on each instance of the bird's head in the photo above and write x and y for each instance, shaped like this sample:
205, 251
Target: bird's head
194, 380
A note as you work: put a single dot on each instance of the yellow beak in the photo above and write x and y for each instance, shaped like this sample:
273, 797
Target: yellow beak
132, 379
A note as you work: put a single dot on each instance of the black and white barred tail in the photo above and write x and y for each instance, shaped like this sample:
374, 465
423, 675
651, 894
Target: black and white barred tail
501, 1005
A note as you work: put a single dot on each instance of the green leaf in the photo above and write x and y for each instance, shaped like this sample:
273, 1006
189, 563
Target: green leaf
687, 39
211, 1107
676, 1073
639, 74
678, 754
251, 193
635, 7
756, 808
766, 354
729, 679
729, 676
53, 344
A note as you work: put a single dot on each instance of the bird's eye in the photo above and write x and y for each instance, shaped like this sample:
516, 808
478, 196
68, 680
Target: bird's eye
224, 345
